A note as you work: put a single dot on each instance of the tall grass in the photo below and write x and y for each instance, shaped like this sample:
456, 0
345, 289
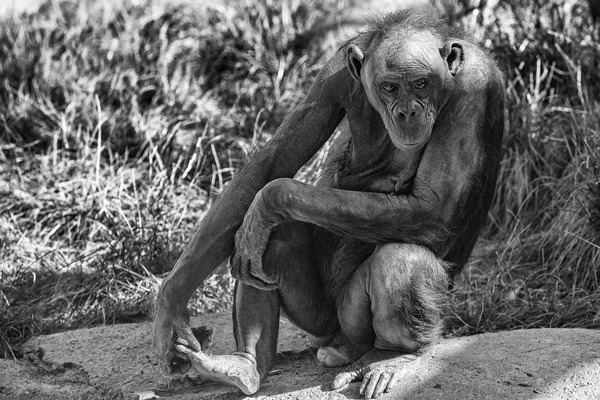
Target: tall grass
119, 123
538, 264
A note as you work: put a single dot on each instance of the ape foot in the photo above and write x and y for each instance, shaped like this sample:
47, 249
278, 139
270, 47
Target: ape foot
379, 370
339, 352
233, 370
331, 356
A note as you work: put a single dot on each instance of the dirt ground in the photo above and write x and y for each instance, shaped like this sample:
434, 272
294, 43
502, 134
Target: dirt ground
117, 362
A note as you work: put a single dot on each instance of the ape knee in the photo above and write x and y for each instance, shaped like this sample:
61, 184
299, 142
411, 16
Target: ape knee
285, 242
394, 300
407, 289
400, 268
401, 259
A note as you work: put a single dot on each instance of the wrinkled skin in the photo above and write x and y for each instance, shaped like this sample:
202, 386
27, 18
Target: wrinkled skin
379, 370
407, 84
365, 257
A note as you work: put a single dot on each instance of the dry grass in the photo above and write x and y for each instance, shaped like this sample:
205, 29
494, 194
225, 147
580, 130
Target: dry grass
538, 264
119, 124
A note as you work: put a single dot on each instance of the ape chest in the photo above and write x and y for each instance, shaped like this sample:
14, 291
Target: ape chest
386, 170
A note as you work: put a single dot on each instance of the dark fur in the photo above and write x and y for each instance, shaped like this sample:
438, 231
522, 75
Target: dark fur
469, 223
459, 239
466, 225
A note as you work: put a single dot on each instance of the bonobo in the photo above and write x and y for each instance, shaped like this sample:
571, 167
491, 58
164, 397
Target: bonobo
365, 257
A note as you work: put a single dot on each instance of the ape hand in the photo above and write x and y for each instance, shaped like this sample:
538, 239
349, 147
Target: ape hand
170, 326
250, 244
378, 369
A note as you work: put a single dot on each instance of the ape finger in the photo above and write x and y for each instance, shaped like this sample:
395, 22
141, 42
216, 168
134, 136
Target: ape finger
166, 369
185, 335
265, 281
183, 360
176, 362
163, 341
344, 378
162, 332
381, 385
179, 365
203, 335
235, 265
240, 270
392, 382
165, 355
368, 384
183, 347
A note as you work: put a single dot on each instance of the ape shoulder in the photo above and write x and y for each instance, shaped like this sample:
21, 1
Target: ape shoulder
334, 82
480, 69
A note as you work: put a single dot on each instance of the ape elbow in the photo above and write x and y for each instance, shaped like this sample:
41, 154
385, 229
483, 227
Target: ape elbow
431, 224
277, 197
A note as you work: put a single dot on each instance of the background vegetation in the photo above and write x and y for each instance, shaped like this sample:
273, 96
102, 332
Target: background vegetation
119, 123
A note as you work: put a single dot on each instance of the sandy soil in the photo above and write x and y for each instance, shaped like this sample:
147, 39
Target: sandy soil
116, 362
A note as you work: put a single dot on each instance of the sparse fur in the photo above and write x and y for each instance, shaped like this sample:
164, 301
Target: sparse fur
370, 251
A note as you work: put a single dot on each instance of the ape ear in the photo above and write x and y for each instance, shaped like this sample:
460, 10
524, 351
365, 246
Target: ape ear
454, 56
355, 61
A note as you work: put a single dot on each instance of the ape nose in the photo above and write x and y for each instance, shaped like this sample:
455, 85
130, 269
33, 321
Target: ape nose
409, 109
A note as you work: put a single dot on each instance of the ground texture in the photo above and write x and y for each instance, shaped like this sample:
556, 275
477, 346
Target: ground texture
117, 362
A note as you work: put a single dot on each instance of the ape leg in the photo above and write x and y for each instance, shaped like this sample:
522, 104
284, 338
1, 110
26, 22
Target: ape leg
340, 352
292, 256
401, 289
256, 326
290, 259
392, 304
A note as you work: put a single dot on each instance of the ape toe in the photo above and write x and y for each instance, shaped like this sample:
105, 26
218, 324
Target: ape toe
332, 357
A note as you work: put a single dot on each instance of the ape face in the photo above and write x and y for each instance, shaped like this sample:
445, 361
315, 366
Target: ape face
408, 79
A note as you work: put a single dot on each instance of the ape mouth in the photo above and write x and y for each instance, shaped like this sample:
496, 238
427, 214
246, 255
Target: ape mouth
409, 139
410, 145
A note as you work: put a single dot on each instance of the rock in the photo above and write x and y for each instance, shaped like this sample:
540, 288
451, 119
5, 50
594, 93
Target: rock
117, 362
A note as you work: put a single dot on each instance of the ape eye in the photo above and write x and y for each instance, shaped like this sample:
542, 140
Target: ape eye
420, 84
388, 88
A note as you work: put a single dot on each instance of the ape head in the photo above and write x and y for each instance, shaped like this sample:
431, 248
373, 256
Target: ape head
408, 78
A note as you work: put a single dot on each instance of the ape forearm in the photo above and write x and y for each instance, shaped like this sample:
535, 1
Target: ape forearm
281, 157
370, 217
213, 241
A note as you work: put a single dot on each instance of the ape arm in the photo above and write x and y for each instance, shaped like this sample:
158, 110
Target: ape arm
446, 188
370, 217
422, 217
449, 184
301, 134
